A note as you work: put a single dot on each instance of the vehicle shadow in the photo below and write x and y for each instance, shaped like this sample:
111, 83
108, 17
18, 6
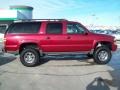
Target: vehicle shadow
4, 59
80, 58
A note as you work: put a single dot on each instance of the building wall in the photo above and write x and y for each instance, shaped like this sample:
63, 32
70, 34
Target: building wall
8, 14
24, 14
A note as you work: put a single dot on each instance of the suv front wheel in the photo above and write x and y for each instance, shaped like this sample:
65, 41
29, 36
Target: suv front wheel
29, 57
102, 55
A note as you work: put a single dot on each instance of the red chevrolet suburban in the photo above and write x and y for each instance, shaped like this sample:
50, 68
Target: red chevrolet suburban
32, 39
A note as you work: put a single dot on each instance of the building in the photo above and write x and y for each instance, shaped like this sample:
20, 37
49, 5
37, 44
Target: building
7, 16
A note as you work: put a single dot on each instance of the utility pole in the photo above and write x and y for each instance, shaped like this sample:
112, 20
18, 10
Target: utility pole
92, 21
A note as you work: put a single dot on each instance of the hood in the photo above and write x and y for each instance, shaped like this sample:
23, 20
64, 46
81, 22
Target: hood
104, 36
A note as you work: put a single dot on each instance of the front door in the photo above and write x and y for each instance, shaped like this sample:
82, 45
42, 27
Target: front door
77, 38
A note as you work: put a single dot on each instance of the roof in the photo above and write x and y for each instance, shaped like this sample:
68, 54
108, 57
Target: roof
37, 20
21, 7
8, 19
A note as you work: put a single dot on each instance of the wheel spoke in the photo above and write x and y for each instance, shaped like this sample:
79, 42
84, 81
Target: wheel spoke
29, 57
103, 55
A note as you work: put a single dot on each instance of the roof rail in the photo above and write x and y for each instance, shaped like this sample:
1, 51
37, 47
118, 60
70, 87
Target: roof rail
31, 20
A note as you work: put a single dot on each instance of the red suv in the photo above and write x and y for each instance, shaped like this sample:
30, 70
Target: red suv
32, 39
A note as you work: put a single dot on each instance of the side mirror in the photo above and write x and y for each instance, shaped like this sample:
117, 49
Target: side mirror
85, 33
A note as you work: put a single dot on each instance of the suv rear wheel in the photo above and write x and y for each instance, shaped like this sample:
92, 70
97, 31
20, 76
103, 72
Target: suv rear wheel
29, 57
102, 55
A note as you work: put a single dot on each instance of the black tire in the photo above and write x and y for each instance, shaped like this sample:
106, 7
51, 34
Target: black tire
43, 55
90, 55
34, 56
102, 58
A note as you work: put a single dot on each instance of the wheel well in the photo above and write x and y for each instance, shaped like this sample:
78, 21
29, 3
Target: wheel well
26, 45
104, 43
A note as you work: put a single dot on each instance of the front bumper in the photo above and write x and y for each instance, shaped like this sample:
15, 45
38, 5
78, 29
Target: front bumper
114, 47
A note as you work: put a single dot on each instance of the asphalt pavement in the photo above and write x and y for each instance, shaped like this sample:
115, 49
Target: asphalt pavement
69, 72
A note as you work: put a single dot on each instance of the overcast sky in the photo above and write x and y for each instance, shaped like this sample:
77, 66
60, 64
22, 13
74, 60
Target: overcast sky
97, 12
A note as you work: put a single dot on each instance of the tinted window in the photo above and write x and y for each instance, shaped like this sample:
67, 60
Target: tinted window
54, 28
32, 27
74, 29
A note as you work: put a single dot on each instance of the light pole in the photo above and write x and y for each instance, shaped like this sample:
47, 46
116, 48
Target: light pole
93, 15
94, 20
119, 20
118, 27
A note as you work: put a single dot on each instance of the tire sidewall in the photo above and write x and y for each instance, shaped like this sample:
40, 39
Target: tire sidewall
36, 60
99, 49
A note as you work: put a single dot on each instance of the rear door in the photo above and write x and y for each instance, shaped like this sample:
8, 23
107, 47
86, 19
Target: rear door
53, 40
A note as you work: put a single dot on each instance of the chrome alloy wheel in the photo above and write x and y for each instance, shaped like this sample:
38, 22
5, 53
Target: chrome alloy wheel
103, 55
29, 57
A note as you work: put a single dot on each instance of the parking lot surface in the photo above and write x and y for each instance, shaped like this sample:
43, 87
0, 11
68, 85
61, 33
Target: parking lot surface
69, 72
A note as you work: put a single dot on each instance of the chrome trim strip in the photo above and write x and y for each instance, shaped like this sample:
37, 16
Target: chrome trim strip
57, 53
13, 52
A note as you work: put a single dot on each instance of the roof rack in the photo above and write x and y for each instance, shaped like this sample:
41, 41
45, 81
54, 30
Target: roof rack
31, 20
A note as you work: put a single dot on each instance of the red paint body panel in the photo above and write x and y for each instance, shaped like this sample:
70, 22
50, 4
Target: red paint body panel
57, 43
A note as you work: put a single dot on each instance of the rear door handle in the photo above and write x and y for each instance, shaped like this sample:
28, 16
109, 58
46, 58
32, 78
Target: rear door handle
47, 37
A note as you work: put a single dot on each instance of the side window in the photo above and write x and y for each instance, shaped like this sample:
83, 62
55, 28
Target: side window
32, 27
54, 28
15, 28
73, 28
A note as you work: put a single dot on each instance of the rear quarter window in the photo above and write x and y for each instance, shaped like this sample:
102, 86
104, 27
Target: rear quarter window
32, 27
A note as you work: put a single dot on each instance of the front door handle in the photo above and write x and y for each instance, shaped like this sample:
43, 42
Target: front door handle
68, 37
